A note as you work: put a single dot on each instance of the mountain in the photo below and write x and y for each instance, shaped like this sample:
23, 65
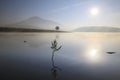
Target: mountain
97, 29
35, 23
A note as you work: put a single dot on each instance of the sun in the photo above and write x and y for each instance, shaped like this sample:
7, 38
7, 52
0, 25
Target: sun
94, 11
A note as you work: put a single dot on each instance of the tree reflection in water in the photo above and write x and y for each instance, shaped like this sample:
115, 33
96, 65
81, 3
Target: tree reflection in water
55, 69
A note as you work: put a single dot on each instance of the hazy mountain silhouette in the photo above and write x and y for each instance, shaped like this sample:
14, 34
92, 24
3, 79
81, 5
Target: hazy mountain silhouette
97, 29
35, 23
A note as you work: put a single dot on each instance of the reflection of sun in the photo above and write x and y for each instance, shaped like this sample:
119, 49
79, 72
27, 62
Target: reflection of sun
93, 55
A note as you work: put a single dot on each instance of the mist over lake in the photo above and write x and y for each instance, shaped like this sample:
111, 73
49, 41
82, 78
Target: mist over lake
28, 56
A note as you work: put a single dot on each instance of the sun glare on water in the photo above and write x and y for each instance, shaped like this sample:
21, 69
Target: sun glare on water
93, 55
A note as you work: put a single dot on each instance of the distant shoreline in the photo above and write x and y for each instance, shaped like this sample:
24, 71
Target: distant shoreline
6, 29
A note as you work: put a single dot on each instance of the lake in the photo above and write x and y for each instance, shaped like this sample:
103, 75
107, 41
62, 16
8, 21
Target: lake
59, 56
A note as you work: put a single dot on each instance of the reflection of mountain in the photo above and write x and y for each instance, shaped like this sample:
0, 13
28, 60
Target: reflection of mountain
97, 29
35, 23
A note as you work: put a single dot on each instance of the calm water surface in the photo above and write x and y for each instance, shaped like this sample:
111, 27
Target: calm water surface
59, 56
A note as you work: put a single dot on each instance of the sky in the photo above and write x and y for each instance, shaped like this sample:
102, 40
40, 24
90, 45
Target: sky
71, 13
